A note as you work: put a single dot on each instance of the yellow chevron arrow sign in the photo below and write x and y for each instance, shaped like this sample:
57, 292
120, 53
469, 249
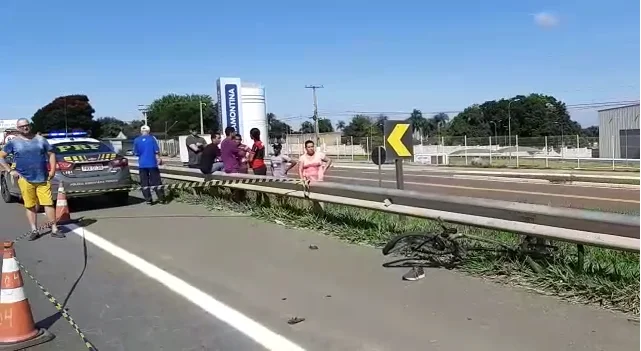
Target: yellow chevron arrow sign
395, 140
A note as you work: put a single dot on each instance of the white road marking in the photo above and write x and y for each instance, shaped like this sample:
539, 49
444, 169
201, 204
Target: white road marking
490, 178
247, 326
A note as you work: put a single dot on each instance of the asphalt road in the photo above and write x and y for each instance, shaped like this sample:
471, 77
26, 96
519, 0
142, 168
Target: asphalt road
535, 191
207, 271
115, 305
586, 196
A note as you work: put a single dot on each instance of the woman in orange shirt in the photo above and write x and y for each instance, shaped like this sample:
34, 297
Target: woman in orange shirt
313, 164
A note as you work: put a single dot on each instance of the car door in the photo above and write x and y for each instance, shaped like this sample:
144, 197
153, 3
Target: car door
12, 182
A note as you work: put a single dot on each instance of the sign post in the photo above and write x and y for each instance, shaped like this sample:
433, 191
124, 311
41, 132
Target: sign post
398, 145
378, 157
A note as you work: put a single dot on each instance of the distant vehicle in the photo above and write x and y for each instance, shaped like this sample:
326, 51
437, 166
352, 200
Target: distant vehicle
83, 164
9, 134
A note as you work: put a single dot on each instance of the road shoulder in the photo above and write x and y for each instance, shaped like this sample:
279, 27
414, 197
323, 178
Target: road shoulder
348, 300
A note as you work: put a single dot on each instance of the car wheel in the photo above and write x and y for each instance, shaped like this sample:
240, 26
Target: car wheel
120, 198
4, 190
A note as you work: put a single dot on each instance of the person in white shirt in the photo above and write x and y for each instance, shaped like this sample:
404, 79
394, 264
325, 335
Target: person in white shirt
280, 164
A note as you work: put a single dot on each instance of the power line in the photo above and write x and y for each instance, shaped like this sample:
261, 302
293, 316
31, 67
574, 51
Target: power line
351, 113
578, 106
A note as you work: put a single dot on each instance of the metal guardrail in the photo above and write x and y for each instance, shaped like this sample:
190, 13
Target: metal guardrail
594, 228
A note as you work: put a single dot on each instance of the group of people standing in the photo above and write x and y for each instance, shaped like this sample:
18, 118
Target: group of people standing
231, 155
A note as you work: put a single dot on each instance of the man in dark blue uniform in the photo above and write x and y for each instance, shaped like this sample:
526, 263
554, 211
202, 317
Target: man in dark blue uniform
148, 152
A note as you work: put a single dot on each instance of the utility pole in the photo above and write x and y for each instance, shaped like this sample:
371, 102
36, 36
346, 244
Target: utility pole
316, 130
144, 109
202, 128
66, 126
509, 124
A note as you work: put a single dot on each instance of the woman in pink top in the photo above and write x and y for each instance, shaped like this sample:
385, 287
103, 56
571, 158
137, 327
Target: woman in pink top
312, 165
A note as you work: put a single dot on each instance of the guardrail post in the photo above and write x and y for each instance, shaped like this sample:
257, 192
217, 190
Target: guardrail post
318, 207
213, 191
238, 195
580, 253
262, 199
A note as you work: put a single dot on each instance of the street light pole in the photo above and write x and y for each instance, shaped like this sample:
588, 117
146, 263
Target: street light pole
316, 129
509, 120
509, 124
202, 127
144, 109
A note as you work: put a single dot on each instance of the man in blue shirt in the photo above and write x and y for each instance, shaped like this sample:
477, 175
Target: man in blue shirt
146, 148
31, 156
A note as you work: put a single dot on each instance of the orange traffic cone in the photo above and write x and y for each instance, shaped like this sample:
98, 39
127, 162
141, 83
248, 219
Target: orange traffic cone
63, 216
17, 329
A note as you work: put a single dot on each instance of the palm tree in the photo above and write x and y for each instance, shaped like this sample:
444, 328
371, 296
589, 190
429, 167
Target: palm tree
418, 122
340, 125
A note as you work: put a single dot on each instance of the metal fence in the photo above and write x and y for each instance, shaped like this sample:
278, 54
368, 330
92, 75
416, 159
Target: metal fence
565, 152
169, 147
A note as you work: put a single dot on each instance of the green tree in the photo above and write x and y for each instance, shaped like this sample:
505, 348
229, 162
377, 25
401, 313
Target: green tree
277, 128
73, 112
184, 111
534, 115
359, 127
133, 127
590, 132
470, 122
325, 125
436, 125
366, 130
307, 127
418, 122
107, 127
340, 125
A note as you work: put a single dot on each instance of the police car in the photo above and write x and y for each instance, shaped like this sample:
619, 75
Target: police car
83, 164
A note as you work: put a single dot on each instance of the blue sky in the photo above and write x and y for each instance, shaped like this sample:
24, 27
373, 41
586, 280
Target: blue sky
370, 56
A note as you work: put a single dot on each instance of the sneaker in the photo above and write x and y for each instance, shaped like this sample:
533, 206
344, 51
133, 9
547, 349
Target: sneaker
33, 235
58, 234
414, 274
150, 203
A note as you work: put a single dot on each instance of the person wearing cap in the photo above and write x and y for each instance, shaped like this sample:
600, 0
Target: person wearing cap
148, 152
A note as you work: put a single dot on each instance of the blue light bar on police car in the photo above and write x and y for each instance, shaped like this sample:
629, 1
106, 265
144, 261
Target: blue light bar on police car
64, 135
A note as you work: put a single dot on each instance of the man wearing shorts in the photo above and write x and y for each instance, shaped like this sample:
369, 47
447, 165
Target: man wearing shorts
31, 154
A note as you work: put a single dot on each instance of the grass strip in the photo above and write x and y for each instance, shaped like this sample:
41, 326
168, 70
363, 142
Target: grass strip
608, 278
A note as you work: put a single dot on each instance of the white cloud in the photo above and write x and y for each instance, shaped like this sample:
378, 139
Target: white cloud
546, 20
